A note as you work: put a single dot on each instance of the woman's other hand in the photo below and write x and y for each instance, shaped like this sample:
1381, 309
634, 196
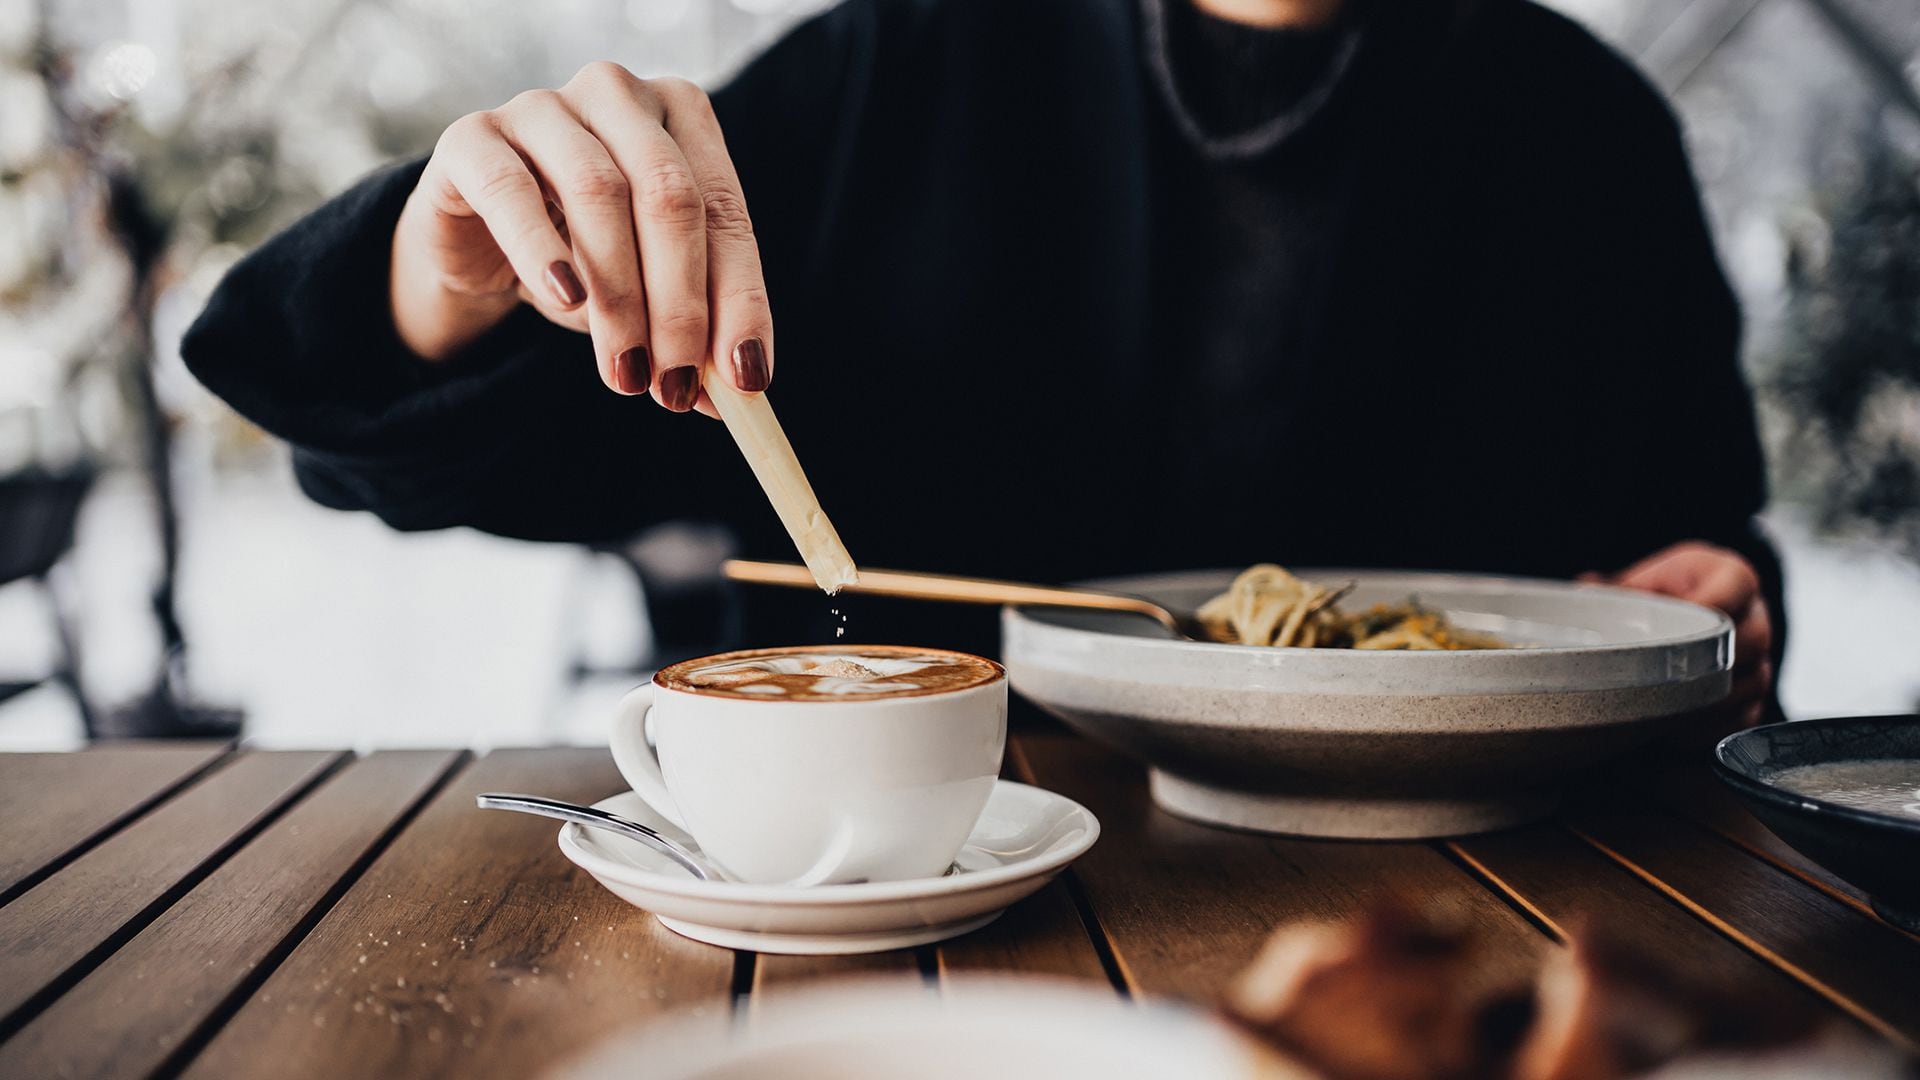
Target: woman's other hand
609, 205
1725, 580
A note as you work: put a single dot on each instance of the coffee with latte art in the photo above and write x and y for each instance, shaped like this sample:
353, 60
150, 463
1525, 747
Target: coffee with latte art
838, 673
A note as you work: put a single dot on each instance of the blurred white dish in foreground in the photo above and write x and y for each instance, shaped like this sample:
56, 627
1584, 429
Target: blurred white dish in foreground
1006, 1029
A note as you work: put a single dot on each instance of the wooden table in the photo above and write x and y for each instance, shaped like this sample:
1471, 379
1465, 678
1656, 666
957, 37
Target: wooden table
215, 912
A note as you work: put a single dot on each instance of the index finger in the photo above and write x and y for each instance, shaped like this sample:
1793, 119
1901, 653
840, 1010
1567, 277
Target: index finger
742, 318
1702, 573
483, 170
627, 115
1729, 585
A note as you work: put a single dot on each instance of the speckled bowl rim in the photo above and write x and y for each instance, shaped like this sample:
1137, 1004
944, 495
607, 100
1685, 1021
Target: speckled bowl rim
1541, 669
1807, 806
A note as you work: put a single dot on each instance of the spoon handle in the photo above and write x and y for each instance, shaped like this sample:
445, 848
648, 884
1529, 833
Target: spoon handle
964, 590
595, 818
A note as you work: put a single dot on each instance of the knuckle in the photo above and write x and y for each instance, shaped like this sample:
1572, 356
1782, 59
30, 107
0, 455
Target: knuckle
752, 299
681, 320
603, 74
617, 295
680, 92
526, 237
599, 182
726, 212
502, 180
669, 194
647, 98
468, 129
605, 79
529, 101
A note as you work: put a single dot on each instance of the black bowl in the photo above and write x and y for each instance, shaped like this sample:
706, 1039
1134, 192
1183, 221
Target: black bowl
1878, 852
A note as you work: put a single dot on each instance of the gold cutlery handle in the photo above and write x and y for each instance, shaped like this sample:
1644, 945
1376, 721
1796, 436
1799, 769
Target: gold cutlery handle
962, 590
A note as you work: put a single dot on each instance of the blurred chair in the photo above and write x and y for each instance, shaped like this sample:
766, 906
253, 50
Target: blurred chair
38, 509
689, 606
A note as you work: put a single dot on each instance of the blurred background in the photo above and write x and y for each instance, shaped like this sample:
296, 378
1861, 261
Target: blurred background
158, 567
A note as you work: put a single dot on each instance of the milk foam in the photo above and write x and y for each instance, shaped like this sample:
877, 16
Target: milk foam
837, 674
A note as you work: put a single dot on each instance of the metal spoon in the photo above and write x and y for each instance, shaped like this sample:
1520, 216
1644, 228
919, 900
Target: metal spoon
594, 818
965, 590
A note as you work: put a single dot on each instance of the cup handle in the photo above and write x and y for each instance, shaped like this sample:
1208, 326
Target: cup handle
636, 760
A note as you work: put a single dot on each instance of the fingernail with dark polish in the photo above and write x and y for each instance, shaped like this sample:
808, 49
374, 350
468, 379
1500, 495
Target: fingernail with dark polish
632, 370
565, 284
750, 373
680, 387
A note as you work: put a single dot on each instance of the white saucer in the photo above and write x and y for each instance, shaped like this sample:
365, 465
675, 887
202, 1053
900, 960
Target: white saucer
1024, 837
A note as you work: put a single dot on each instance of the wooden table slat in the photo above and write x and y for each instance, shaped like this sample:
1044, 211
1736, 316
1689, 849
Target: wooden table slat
1854, 961
59, 926
1569, 885
276, 913
1042, 935
1696, 796
136, 1010
1186, 907
470, 946
73, 798
778, 980
774, 975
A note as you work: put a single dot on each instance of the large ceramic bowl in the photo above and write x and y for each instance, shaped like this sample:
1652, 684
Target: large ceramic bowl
1879, 852
1375, 745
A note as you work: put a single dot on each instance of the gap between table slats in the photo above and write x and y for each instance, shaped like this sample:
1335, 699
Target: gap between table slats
1697, 797
1569, 888
76, 801
469, 946
1053, 934
1044, 935
1185, 907
1857, 963
160, 996
61, 929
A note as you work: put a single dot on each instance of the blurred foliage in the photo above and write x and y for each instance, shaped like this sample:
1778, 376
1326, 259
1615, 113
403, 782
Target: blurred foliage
1848, 368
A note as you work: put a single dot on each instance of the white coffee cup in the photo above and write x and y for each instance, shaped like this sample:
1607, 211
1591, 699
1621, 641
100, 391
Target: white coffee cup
810, 791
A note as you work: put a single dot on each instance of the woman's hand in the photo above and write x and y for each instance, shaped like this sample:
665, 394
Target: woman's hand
1723, 579
611, 206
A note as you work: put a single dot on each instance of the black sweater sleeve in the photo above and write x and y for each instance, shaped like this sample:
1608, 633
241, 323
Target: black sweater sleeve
1688, 434
1656, 377
1704, 472
517, 436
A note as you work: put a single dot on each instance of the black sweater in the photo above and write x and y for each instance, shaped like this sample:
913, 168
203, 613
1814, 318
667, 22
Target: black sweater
1516, 352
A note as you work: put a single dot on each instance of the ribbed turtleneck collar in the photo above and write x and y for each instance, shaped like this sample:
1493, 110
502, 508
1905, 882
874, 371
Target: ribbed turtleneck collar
1237, 92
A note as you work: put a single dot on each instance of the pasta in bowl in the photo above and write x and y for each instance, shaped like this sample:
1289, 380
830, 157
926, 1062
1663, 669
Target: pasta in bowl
1372, 743
1266, 605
